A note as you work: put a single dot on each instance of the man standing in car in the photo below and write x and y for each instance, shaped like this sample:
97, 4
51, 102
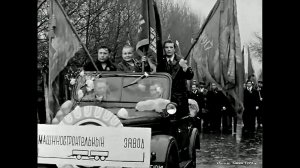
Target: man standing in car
179, 70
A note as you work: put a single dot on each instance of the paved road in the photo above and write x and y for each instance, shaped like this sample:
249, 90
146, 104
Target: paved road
230, 151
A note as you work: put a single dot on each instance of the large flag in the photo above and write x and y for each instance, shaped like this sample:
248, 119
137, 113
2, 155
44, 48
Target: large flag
149, 32
243, 55
216, 54
63, 45
250, 66
260, 76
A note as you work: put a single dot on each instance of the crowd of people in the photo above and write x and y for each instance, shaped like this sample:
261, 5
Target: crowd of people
216, 114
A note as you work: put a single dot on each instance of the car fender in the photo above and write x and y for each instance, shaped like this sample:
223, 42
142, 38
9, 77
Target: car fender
194, 136
160, 145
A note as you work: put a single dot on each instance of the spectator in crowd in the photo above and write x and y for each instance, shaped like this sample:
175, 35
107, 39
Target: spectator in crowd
180, 72
216, 105
227, 114
203, 106
194, 82
251, 105
103, 62
195, 95
259, 113
130, 64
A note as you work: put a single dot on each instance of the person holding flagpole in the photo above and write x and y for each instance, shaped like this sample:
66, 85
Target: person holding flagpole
130, 64
103, 62
180, 72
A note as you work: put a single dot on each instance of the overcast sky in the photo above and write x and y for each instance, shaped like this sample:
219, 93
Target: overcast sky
249, 19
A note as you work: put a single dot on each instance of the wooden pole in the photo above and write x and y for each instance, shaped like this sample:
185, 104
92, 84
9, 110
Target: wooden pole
143, 62
48, 111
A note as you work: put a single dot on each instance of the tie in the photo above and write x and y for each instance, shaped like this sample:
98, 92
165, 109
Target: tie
169, 66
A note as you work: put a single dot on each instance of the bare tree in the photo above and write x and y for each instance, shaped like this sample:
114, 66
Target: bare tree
256, 46
111, 23
178, 22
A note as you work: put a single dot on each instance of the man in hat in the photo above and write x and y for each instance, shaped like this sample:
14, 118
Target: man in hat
251, 105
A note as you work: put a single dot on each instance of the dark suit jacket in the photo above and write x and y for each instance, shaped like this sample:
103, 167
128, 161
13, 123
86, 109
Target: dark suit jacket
124, 66
179, 81
179, 91
251, 100
216, 100
195, 96
109, 67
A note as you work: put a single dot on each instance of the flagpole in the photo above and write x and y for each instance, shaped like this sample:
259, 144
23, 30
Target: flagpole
46, 94
201, 31
75, 32
46, 89
202, 27
149, 35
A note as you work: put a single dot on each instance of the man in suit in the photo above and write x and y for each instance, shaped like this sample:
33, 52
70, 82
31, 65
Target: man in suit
259, 113
216, 105
203, 106
179, 70
130, 64
195, 95
251, 105
103, 61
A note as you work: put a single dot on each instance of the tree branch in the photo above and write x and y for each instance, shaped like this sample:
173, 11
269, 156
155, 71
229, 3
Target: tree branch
41, 4
41, 23
75, 9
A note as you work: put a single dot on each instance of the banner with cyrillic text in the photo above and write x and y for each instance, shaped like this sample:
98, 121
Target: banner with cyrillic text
94, 145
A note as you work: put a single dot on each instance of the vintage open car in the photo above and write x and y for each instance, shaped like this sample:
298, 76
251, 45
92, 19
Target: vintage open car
138, 100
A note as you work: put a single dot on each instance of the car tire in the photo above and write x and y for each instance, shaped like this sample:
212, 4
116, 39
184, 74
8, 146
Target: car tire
89, 115
192, 146
172, 156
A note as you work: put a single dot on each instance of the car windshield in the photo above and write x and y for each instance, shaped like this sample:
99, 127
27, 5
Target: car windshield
110, 87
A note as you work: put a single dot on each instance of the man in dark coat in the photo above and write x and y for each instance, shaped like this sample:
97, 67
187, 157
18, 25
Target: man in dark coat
251, 104
130, 64
227, 115
180, 72
204, 113
259, 113
103, 62
216, 105
195, 95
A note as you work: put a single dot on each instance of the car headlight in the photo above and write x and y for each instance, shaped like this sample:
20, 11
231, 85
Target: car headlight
171, 108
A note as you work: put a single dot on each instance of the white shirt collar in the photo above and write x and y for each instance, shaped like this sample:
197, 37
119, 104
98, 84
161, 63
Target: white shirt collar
172, 58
